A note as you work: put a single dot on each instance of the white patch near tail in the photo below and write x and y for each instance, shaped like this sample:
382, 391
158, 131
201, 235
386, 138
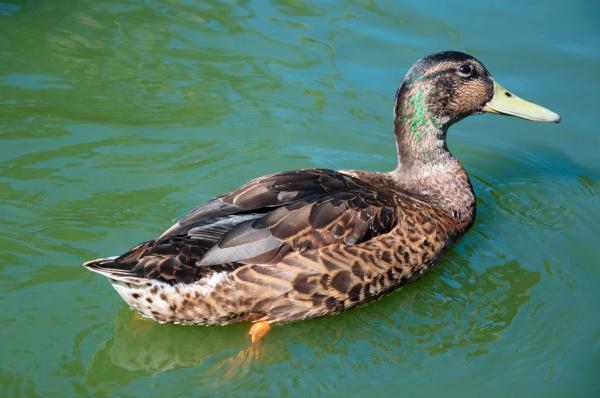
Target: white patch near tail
157, 300
207, 285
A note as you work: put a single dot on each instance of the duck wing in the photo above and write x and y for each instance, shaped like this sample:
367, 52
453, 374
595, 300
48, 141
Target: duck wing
263, 221
265, 193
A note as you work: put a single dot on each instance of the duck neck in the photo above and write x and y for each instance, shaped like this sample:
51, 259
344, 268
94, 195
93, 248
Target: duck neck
425, 165
420, 134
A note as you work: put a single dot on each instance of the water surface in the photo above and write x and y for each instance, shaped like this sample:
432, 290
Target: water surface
117, 117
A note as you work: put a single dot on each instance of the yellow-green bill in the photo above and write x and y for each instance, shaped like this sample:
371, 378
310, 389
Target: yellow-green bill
507, 103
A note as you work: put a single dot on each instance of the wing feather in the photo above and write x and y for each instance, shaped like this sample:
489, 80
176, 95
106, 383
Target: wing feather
262, 222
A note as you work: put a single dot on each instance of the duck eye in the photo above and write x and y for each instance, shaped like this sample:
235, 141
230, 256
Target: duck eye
465, 70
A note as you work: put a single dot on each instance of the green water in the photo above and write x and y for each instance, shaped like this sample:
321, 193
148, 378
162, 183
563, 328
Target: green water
117, 117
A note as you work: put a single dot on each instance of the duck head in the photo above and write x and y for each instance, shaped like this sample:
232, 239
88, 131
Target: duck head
443, 88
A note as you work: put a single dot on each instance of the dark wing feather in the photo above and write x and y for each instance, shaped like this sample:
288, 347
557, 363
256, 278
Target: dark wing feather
264, 193
348, 217
261, 222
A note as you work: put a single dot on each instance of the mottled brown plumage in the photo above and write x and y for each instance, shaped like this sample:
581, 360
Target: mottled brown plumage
307, 243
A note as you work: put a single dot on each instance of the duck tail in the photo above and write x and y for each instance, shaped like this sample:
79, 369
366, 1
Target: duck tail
118, 267
107, 266
99, 262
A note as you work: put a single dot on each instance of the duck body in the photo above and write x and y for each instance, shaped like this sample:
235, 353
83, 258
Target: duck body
307, 243
288, 246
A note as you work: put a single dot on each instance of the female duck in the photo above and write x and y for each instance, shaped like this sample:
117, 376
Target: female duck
307, 243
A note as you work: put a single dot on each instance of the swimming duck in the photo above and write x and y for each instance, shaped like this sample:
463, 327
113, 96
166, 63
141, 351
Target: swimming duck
306, 243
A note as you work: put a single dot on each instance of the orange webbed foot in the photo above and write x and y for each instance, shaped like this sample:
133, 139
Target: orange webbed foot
258, 330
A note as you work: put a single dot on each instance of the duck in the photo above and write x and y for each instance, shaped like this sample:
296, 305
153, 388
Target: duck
301, 244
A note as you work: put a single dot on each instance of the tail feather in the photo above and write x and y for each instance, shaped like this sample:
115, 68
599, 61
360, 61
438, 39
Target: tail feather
119, 267
100, 261
108, 267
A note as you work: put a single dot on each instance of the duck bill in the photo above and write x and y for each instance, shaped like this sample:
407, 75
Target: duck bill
506, 103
